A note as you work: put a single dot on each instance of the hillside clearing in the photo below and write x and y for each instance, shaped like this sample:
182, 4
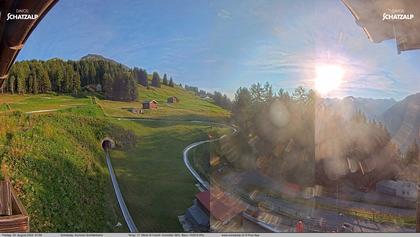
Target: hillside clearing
54, 160
190, 106
157, 185
57, 168
26, 103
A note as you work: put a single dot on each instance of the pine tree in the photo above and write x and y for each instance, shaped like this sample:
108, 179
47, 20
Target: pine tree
165, 80
59, 78
132, 89
69, 76
68, 79
241, 109
143, 78
412, 154
12, 82
226, 102
108, 86
171, 82
44, 83
217, 97
92, 73
155, 80
33, 83
76, 83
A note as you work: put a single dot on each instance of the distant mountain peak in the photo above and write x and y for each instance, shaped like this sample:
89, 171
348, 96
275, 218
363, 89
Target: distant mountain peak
349, 98
415, 96
372, 108
403, 120
97, 57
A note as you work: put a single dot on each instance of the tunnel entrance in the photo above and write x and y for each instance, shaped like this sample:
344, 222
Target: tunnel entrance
107, 143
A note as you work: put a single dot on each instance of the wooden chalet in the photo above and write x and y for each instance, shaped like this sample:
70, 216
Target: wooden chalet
172, 99
150, 104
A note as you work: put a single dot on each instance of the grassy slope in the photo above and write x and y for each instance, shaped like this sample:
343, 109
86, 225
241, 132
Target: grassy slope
26, 103
152, 175
56, 167
148, 173
189, 107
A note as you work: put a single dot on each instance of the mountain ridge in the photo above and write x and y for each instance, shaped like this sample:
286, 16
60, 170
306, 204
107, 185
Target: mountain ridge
403, 120
98, 57
372, 108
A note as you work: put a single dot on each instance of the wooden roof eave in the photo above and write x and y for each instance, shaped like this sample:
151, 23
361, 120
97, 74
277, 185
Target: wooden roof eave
15, 33
358, 20
405, 33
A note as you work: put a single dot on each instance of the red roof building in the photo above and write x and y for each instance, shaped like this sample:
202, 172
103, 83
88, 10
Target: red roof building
152, 104
203, 199
224, 207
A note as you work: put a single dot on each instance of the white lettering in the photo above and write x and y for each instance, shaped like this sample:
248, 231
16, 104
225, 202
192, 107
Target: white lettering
387, 16
11, 16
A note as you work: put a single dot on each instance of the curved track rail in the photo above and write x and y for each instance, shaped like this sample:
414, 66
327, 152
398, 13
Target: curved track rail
128, 219
204, 184
126, 214
130, 223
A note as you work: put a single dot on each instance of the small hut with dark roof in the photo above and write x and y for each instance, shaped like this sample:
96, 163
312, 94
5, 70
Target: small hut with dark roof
172, 99
150, 104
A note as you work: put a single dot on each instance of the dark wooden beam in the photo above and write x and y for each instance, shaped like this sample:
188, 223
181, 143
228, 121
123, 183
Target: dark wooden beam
14, 33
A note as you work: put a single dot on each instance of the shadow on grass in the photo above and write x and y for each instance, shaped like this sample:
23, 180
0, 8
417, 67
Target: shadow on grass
165, 121
168, 123
84, 94
154, 180
62, 197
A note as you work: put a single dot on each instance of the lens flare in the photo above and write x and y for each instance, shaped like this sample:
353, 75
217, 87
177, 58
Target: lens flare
328, 77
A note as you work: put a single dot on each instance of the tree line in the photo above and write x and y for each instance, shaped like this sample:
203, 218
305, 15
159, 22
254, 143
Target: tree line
297, 138
219, 99
412, 155
116, 81
142, 78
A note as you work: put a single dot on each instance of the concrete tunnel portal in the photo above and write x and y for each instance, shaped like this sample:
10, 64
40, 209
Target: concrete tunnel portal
107, 143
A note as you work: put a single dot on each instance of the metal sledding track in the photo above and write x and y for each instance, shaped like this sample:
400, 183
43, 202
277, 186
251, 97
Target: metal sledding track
130, 223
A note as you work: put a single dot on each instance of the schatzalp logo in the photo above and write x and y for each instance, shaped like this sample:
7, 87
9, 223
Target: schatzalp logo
21, 14
396, 14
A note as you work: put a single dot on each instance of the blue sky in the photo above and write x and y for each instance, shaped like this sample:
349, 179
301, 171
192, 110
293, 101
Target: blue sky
222, 45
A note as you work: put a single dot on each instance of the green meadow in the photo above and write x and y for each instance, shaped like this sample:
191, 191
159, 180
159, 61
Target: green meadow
25, 103
190, 106
57, 169
152, 175
57, 166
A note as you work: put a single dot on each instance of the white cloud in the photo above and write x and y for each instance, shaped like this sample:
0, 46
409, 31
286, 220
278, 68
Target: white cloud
224, 14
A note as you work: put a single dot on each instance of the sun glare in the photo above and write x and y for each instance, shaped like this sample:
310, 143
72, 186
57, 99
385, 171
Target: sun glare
328, 77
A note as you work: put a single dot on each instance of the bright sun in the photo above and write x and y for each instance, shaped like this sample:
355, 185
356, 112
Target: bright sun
328, 77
